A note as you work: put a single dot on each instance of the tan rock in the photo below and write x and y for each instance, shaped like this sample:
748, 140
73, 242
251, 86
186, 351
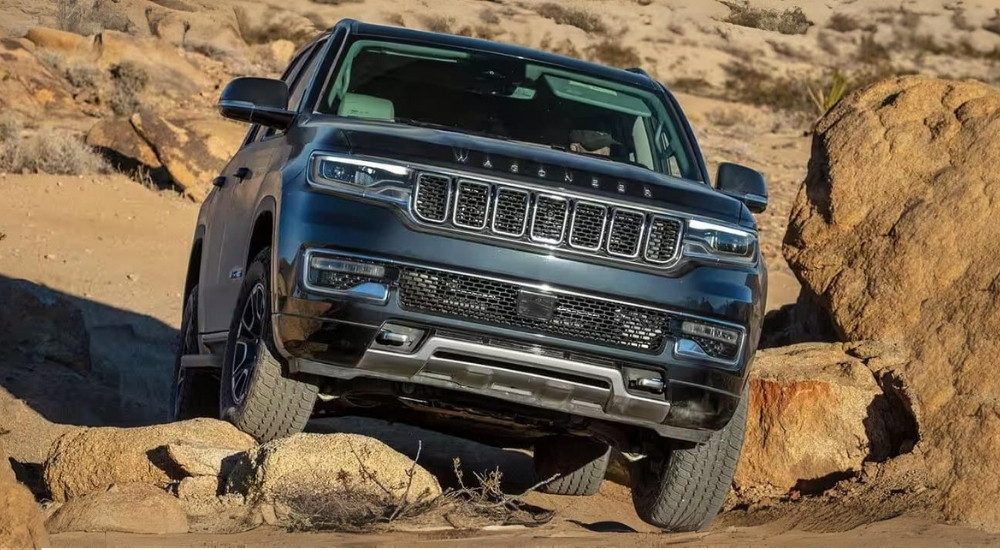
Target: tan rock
20, 520
895, 232
118, 137
281, 51
91, 459
129, 508
817, 413
56, 40
283, 471
24, 432
202, 460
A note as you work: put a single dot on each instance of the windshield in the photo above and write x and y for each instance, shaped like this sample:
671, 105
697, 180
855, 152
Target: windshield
508, 98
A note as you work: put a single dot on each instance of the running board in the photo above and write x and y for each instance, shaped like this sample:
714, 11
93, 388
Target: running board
201, 361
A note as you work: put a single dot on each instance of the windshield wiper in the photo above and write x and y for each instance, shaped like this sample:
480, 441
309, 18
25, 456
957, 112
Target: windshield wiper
435, 126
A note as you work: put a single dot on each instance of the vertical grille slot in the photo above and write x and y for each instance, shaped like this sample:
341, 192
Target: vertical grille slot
510, 213
548, 222
663, 240
625, 233
587, 226
472, 205
431, 197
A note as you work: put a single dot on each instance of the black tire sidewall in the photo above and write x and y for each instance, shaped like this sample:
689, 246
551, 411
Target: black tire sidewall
189, 324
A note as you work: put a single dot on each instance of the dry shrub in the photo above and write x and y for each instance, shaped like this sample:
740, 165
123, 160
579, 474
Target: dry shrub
486, 500
337, 2
48, 151
790, 21
128, 81
841, 22
488, 16
726, 118
871, 52
993, 23
576, 17
395, 19
961, 22
92, 16
277, 25
437, 23
690, 85
611, 52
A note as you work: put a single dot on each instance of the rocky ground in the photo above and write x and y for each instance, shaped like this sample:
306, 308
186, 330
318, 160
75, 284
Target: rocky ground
875, 423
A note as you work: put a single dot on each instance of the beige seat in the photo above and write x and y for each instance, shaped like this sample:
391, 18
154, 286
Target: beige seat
366, 106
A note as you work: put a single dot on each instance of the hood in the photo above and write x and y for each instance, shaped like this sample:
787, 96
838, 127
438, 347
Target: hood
524, 162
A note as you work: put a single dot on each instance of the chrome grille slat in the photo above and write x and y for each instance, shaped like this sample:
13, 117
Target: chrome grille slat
551, 220
472, 204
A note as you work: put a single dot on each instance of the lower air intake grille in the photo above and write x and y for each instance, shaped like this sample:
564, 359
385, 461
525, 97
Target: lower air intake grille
496, 302
431, 198
664, 234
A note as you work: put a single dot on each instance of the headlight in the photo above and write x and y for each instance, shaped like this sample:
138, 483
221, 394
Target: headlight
359, 176
719, 242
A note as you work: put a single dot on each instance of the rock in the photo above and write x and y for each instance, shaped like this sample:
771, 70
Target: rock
285, 471
30, 88
56, 40
192, 150
817, 414
201, 460
43, 325
198, 488
895, 233
91, 459
281, 51
115, 137
20, 520
25, 434
128, 508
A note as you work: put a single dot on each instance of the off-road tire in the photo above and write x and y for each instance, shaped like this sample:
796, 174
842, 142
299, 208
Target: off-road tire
580, 463
277, 404
683, 489
198, 394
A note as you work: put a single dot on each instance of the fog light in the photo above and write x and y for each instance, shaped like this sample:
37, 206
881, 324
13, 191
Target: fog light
712, 332
370, 271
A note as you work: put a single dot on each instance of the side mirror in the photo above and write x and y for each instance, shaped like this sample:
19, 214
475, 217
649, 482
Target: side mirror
744, 184
257, 101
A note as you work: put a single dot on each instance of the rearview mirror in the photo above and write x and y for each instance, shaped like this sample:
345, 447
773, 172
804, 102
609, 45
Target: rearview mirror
744, 184
257, 101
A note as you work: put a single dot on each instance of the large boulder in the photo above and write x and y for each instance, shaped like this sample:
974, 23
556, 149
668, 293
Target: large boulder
895, 233
40, 325
20, 520
291, 470
129, 508
818, 412
24, 432
91, 459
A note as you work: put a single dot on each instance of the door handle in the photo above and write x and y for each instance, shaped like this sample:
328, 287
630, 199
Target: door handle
219, 181
242, 173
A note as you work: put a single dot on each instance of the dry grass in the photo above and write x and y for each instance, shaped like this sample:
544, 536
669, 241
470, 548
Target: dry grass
437, 23
128, 81
726, 118
92, 16
276, 25
611, 52
871, 52
993, 23
576, 17
47, 151
790, 21
489, 17
841, 22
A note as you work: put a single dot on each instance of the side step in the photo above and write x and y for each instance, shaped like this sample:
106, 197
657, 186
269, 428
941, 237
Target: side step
201, 361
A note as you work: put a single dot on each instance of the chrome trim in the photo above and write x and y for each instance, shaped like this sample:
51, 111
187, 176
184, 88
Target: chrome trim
527, 207
534, 218
458, 199
572, 225
611, 231
416, 193
677, 246
548, 289
368, 291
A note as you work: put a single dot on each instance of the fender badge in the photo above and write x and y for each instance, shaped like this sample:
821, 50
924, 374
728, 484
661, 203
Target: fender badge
236, 273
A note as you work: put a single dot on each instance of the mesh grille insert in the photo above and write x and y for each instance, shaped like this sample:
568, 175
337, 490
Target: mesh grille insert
496, 302
587, 229
472, 204
431, 199
626, 232
510, 212
664, 234
549, 222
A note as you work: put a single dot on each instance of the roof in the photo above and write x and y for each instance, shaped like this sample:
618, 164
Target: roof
602, 71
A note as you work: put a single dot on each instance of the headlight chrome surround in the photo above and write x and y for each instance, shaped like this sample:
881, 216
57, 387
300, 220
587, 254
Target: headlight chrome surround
354, 175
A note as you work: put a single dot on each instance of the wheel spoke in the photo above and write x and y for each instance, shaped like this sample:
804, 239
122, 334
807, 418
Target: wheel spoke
248, 342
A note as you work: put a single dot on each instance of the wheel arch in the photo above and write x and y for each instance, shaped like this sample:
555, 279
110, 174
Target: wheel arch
262, 231
194, 261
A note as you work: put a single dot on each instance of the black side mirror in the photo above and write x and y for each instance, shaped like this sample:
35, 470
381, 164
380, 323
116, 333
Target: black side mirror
744, 184
257, 101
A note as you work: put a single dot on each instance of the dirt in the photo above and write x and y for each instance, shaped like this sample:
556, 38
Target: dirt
119, 251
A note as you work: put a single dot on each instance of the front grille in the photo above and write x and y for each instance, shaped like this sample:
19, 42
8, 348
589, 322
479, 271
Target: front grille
626, 233
431, 197
496, 303
472, 205
664, 236
549, 221
552, 220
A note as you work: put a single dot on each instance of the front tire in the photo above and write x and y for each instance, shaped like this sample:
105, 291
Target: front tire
684, 488
256, 394
579, 462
